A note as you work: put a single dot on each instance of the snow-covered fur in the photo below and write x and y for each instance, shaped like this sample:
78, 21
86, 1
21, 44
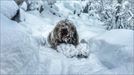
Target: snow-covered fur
64, 32
81, 51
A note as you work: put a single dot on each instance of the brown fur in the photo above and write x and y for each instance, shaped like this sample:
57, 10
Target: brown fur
64, 32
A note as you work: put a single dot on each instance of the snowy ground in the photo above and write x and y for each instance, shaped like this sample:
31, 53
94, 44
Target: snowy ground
24, 49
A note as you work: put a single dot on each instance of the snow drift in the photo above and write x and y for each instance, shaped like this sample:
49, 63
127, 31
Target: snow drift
18, 51
115, 49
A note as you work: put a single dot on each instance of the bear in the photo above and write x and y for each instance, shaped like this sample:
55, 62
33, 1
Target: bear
64, 32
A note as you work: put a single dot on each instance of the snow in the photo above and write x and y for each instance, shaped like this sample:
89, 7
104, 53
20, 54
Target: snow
82, 50
122, 37
8, 8
18, 50
115, 50
25, 50
24, 6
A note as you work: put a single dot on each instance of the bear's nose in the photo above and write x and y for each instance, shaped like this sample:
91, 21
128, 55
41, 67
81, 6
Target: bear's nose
64, 31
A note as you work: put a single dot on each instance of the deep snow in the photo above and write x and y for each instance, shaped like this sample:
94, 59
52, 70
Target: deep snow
24, 49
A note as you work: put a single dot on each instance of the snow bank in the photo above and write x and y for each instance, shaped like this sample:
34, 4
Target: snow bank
115, 49
119, 37
8, 8
66, 65
19, 53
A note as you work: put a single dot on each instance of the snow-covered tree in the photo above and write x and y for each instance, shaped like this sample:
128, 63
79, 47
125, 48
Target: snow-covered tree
51, 2
19, 2
121, 16
116, 14
31, 4
35, 5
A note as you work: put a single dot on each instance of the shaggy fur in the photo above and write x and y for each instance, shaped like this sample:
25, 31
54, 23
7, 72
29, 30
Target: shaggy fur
64, 32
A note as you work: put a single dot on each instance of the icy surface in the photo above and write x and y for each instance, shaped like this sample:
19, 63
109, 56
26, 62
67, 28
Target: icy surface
24, 47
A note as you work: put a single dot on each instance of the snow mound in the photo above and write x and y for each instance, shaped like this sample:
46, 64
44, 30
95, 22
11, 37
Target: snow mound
19, 53
114, 49
119, 37
69, 50
8, 8
50, 60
